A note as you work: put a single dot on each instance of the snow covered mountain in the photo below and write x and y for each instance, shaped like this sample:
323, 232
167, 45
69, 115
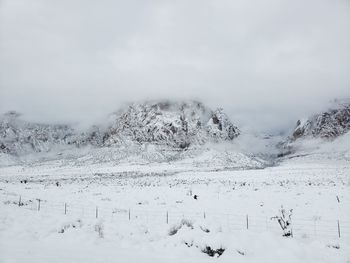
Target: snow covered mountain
164, 131
169, 124
324, 134
18, 136
177, 125
329, 124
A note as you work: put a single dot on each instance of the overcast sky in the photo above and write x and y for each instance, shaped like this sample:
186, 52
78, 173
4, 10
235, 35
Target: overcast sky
267, 63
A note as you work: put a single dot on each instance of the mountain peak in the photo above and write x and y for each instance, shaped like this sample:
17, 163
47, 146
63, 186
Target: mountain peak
175, 124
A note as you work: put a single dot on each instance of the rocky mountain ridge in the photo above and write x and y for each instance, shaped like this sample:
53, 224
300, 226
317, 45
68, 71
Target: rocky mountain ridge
176, 125
327, 125
166, 132
319, 129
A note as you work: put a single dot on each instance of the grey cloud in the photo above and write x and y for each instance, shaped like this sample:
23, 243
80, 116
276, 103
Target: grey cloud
266, 62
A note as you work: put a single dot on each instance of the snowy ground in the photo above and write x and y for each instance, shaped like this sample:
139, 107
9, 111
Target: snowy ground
131, 213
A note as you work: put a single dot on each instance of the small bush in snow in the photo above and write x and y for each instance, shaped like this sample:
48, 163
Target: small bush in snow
335, 246
184, 222
285, 221
65, 227
204, 229
212, 252
99, 230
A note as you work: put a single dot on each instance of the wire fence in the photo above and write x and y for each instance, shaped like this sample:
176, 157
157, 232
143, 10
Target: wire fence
315, 227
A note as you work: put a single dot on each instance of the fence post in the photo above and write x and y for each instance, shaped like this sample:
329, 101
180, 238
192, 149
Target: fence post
129, 213
167, 217
338, 229
96, 211
39, 204
204, 214
65, 208
20, 201
247, 222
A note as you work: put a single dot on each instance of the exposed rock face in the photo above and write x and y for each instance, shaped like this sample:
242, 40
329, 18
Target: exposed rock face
329, 124
176, 125
220, 127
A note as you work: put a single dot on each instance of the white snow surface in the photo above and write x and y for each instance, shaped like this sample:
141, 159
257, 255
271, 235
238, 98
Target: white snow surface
125, 212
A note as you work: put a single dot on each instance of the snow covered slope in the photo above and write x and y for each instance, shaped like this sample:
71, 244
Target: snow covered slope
329, 124
322, 136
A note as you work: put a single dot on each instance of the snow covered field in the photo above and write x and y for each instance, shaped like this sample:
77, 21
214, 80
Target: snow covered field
152, 215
